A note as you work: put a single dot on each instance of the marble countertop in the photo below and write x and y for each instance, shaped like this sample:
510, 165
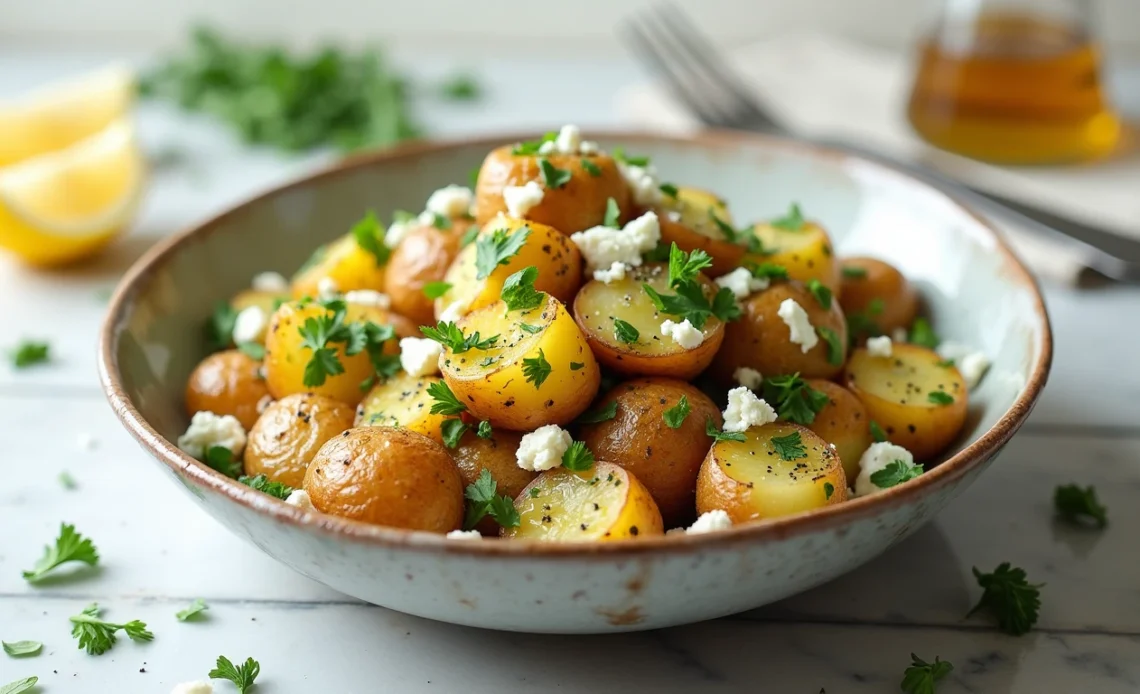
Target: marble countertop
854, 635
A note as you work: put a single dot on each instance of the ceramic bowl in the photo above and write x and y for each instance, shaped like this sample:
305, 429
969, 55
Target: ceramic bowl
976, 291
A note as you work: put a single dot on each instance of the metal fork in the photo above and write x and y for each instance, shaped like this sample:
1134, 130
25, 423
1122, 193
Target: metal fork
700, 79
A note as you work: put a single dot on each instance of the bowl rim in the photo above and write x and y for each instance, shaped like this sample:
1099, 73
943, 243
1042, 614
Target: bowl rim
830, 518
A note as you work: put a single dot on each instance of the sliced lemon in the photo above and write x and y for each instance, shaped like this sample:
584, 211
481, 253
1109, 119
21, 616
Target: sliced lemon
62, 206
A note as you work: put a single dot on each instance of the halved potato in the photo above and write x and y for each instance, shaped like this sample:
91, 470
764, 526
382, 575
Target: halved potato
807, 253
345, 263
402, 401
496, 455
879, 294
423, 256
604, 503
844, 423
920, 403
750, 480
687, 220
557, 259
598, 305
533, 376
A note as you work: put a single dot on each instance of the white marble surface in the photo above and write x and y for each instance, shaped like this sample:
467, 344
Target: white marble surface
854, 635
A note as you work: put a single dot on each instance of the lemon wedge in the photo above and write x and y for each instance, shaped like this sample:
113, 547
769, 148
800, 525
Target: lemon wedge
59, 207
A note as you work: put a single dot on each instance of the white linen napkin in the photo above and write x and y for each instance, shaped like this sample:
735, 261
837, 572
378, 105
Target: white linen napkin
827, 86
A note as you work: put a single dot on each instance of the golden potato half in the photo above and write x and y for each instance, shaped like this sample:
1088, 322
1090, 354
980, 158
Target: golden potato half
688, 221
806, 252
403, 401
345, 263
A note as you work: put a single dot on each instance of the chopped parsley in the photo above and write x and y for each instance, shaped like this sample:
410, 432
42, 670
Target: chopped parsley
601, 414
69, 546
97, 636
716, 435
789, 447
220, 327
253, 350
613, 214
591, 168
261, 483
854, 272
552, 176
668, 189
821, 293
484, 500
939, 397
620, 155
894, 473
242, 677
577, 457
877, 432
468, 236
21, 649
451, 430
30, 352
1078, 505
792, 221
944, 363
675, 416
536, 369
531, 147
576, 365
1009, 598
624, 332
445, 401
195, 610
319, 333
828, 490
770, 271
690, 302
922, 334
222, 459
369, 236
484, 430
450, 336
794, 400
519, 293
835, 346
434, 290
921, 677
497, 248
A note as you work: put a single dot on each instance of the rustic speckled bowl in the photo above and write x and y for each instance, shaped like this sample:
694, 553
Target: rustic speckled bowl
976, 291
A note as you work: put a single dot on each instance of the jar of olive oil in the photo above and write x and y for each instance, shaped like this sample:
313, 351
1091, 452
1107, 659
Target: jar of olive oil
1013, 82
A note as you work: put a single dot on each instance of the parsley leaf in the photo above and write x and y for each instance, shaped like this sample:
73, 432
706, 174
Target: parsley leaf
922, 334
19, 686
601, 414
591, 168
685, 267
484, 431
854, 272
675, 416
877, 432
434, 290
497, 248
460, 88
939, 397
620, 155
794, 400
821, 293
921, 676
834, 345
482, 493
530, 329
828, 490
613, 214
195, 609
369, 236
945, 363
519, 293
452, 430
69, 546
445, 400
896, 472
468, 236
767, 271
502, 509
20, 649
275, 489
789, 447
29, 352
317, 333
222, 459
624, 332
552, 176
575, 365
473, 178
97, 636
242, 677
253, 350
1075, 505
668, 189
577, 457
220, 327
731, 234
1009, 597
536, 369
531, 147
712, 432
690, 303
792, 221
450, 336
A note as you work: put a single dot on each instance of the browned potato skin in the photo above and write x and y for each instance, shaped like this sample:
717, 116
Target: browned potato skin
496, 455
290, 432
844, 422
422, 257
387, 476
665, 460
576, 206
761, 340
884, 282
226, 383
680, 219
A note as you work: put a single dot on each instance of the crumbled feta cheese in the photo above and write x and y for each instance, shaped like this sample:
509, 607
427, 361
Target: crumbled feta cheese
521, 199
542, 448
193, 688
208, 430
673, 216
588, 147
547, 147
746, 410
748, 377
464, 535
397, 231
569, 140
300, 498
683, 333
616, 273
879, 346
603, 246
898, 335
368, 297
250, 325
419, 356
450, 201
454, 311
741, 282
327, 288
710, 521
800, 327
643, 182
270, 282
971, 364
264, 403
877, 457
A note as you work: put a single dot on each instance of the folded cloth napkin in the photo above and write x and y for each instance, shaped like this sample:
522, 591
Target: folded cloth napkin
827, 86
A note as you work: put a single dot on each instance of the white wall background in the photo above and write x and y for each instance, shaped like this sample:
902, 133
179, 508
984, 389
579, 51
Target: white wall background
494, 25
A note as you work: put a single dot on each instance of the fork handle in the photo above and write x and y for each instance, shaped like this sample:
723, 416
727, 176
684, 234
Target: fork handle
1111, 254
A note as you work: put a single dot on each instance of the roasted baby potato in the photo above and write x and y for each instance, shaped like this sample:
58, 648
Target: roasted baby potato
606, 502
577, 205
918, 401
496, 455
344, 262
559, 264
761, 340
689, 220
640, 439
844, 423
289, 433
387, 476
805, 251
402, 401
224, 383
422, 257
765, 476
598, 305
530, 377
878, 294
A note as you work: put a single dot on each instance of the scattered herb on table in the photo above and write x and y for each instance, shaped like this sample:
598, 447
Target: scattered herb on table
1079, 506
193, 612
22, 649
1011, 599
29, 352
243, 677
69, 546
19, 686
922, 677
97, 636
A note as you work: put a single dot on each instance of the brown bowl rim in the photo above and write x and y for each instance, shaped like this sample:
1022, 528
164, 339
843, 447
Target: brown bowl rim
829, 518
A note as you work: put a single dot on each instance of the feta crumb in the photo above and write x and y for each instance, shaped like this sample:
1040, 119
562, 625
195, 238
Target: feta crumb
542, 448
673, 216
741, 282
546, 147
569, 140
603, 246
450, 201
270, 282
264, 403
521, 199
643, 182
898, 335
208, 430
710, 521
193, 688
368, 297
971, 364
419, 356
683, 333
875, 458
879, 346
300, 498
746, 410
464, 535
800, 327
397, 231
748, 377
454, 311
616, 273
327, 288
250, 325
588, 147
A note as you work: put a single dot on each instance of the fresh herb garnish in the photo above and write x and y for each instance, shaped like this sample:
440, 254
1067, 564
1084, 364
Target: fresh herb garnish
531, 147
434, 290
222, 459
675, 416
624, 332
794, 400
536, 369
767, 271
828, 490
853, 272
369, 236
530, 329
19, 686
69, 546
275, 489
792, 221
922, 334
834, 345
690, 302
575, 365
896, 472
591, 168
921, 677
195, 610
668, 189
552, 176
519, 293
601, 414
1078, 505
67, 481
717, 435
482, 493
497, 248
939, 397
450, 336
620, 155
470, 235
22, 649
220, 327
253, 350
445, 401
944, 363
484, 431
242, 677
451, 430
97, 636
30, 352
877, 432
790, 446
440, 222
577, 457
460, 87
613, 214
821, 293
319, 332
1009, 597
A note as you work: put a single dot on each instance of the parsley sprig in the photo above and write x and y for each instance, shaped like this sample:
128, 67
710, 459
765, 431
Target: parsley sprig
921, 677
219, 328
895, 473
497, 248
792, 221
69, 546
536, 369
97, 636
625, 332
821, 293
676, 415
242, 676
222, 459
690, 302
369, 236
485, 501
552, 176
922, 334
321, 334
531, 147
1078, 506
741, 237
450, 336
789, 447
445, 401
577, 457
30, 352
794, 400
192, 612
1012, 600
519, 293
261, 483
717, 435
